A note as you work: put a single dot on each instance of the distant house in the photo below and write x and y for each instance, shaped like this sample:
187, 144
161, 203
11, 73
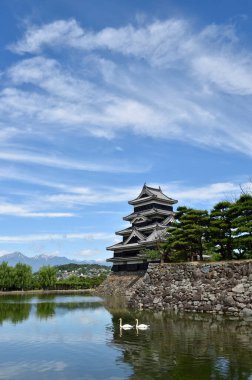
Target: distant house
153, 213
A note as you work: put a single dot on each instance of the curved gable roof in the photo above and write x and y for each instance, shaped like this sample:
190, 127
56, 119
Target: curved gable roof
135, 233
152, 193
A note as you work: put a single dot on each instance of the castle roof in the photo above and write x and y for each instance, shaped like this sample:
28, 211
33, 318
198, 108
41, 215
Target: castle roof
165, 223
152, 211
156, 235
152, 193
159, 233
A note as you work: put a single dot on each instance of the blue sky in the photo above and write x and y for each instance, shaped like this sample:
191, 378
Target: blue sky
99, 97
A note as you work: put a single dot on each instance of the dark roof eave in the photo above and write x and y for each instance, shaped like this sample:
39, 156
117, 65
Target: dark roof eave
155, 197
132, 258
140, 200
124, 232
128, 247
147, 213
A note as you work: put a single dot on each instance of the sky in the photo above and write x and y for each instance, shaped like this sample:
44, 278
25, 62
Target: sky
99, 97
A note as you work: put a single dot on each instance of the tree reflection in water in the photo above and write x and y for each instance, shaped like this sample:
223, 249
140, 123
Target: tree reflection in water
17, 308
45, 310
185, 346
14, 312
176, 346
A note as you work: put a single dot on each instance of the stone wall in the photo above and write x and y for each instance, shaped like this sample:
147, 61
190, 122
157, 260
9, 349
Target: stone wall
196, 287
120, 283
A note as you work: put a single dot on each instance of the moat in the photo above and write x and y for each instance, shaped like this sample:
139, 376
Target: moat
78, 337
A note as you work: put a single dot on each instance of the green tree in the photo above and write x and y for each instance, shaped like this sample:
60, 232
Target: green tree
162, 251
242, 226
187, 237
221, 222
6, 276
189, 234
47, 277
22, 276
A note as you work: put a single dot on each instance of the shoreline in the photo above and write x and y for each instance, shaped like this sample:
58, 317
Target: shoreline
39, 291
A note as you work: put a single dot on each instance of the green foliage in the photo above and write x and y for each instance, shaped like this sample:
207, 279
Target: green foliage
75, 282
188, 234
82, 268
225, 234
22, 277
162, 252
242, 226
47, 277
6, 276
216, 257
221, 221
153, 254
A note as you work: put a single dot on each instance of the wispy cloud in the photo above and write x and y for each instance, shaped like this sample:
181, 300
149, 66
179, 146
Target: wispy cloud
176, 82
68, 199
65, 164
162, 43
204, 196
24, 212
55, 237
89, 253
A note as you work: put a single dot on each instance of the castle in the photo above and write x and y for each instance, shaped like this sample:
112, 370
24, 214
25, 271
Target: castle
152, 215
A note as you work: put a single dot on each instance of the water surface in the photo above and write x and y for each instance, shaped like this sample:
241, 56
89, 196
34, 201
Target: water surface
78, 337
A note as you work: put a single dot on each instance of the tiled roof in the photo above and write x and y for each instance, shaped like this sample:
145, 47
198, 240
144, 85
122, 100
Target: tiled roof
152, 192
133, 234
157, 234
126, 231
147, 212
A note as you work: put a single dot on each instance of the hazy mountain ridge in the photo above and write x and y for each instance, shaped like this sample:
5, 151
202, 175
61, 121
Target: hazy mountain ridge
38, 261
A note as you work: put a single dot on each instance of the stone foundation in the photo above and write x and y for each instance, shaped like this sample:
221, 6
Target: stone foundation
220, 287
121, 283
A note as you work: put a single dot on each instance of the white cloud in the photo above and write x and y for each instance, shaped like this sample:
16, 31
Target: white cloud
26, 212
66, 197
56, 31
87, 196
169, 84
66, 163
204, 196
4, 252
232, 76
55, 237
200, 195
88, 253
162, 43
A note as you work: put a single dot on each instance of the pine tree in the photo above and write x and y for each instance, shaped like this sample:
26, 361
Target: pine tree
188, 235
242, 226
221, 221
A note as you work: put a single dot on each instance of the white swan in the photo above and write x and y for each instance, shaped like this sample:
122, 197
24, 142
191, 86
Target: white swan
125, 327
141, 326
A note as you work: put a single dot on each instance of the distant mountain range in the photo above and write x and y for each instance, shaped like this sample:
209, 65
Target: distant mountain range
41, 260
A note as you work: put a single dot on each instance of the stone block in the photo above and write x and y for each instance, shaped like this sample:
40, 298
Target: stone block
229, 301
238, 289
247, 312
